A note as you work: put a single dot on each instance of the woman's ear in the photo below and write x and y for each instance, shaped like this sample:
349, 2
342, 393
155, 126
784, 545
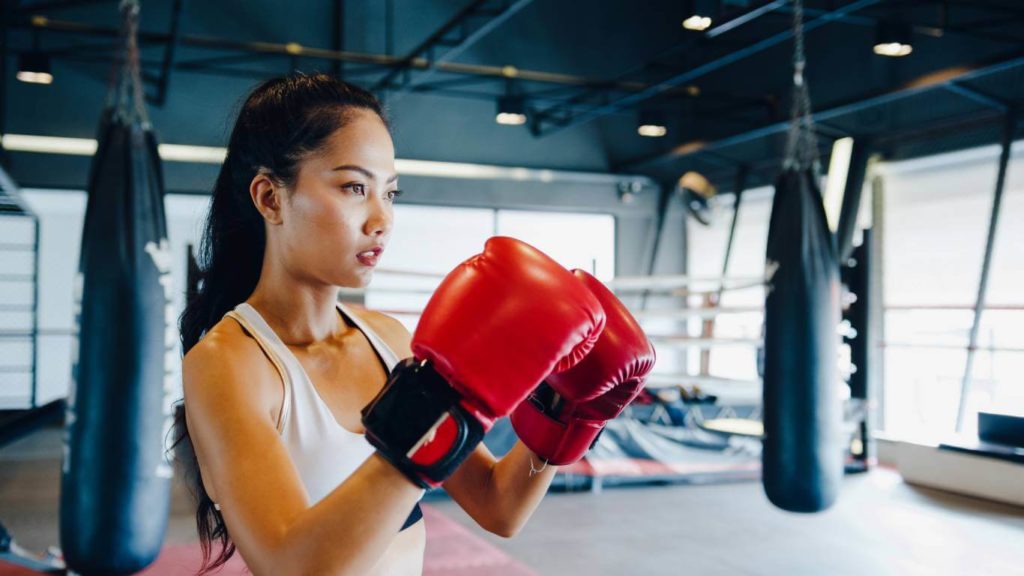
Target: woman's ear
266, 195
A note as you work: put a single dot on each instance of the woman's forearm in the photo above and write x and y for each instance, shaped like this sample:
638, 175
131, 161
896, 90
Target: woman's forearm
350, 529
518, 483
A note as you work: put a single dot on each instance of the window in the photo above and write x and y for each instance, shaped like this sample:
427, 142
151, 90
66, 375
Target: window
431, 241
936, 221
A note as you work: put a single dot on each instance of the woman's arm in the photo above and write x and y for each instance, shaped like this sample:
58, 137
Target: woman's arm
500, 495
246, 469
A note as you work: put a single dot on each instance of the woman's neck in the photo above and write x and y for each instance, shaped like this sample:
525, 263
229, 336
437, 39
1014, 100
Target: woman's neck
299, 313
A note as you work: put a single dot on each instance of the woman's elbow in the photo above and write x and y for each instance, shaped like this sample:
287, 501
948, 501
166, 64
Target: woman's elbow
505, 527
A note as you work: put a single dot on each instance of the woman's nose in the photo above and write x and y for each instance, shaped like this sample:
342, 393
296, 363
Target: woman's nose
379, 219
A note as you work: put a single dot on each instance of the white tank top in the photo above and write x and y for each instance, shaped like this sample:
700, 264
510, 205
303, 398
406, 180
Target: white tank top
324, 452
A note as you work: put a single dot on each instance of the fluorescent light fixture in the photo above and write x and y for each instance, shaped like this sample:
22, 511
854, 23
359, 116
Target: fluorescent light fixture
426, 168
49, 144
87, 147
198, 154
835, 184
464, 171
34, 68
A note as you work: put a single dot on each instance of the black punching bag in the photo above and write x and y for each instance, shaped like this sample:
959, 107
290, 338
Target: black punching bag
115, 482
802, 457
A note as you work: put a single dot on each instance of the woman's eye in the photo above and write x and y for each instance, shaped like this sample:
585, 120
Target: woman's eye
357, 188
394, 194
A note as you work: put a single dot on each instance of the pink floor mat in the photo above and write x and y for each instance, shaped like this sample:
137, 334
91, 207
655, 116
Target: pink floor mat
452, 550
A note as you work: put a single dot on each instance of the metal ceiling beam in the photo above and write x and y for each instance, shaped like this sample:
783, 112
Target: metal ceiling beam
966, 29
689, 75
454, 38
745, 17
441, 88
338, 36
472, 95
941, 79
212, 61
272, 50
58, 5
655, 66
170, 50
976, 95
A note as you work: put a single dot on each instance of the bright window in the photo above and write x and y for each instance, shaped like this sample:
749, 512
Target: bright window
936, 221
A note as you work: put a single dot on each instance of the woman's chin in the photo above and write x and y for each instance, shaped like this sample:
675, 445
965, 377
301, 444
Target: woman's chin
357, 280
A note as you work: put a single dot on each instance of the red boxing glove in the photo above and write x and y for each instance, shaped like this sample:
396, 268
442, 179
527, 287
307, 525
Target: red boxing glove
562, 419
494, 328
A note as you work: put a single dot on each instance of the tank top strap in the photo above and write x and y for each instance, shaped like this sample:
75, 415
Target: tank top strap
282, 359
386, 354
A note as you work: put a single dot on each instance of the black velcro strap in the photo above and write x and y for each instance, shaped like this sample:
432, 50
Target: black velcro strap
412, 402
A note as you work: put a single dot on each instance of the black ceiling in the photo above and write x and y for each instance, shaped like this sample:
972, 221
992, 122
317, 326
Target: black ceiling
585, 69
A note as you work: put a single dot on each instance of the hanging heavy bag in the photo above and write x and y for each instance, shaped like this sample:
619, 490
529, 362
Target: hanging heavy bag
802, 457
115, 482
802, 460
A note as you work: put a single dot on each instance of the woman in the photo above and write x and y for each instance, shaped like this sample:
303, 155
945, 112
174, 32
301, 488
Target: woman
276, 372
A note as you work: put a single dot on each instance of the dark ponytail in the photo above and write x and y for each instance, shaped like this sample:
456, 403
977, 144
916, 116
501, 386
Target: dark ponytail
281, 122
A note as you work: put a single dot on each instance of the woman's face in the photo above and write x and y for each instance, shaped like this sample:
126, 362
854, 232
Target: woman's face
337, 220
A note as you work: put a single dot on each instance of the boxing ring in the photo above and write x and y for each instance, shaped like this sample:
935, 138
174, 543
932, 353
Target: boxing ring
689, 425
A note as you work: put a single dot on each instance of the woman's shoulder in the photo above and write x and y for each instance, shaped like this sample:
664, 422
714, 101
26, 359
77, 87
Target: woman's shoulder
227, 339
227, 356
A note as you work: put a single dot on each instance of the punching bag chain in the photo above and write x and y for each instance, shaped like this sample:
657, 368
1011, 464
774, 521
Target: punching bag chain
801, 141
127, 97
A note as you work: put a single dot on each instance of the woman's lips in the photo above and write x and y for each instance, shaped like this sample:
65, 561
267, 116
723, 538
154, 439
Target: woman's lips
370, 257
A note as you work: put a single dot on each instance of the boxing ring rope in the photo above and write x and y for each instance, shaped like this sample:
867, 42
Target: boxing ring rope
621, 284
668, 379
673, 285
701, 343
669, 282
704, 313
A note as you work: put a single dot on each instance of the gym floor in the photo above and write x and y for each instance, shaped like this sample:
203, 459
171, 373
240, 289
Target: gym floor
880, 526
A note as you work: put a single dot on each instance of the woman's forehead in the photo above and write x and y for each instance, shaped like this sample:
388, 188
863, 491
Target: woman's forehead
364, 143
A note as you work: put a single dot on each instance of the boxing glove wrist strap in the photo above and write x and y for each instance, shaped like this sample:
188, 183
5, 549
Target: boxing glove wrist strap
546, 425
419, 425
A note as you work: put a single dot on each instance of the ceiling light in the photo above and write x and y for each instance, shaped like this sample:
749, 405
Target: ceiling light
511, 111
651, 130
697, 22
893, 39
698, 15
651, 124
34, 68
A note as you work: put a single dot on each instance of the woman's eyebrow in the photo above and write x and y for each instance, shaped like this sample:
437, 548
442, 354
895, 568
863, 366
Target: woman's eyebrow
362, 171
